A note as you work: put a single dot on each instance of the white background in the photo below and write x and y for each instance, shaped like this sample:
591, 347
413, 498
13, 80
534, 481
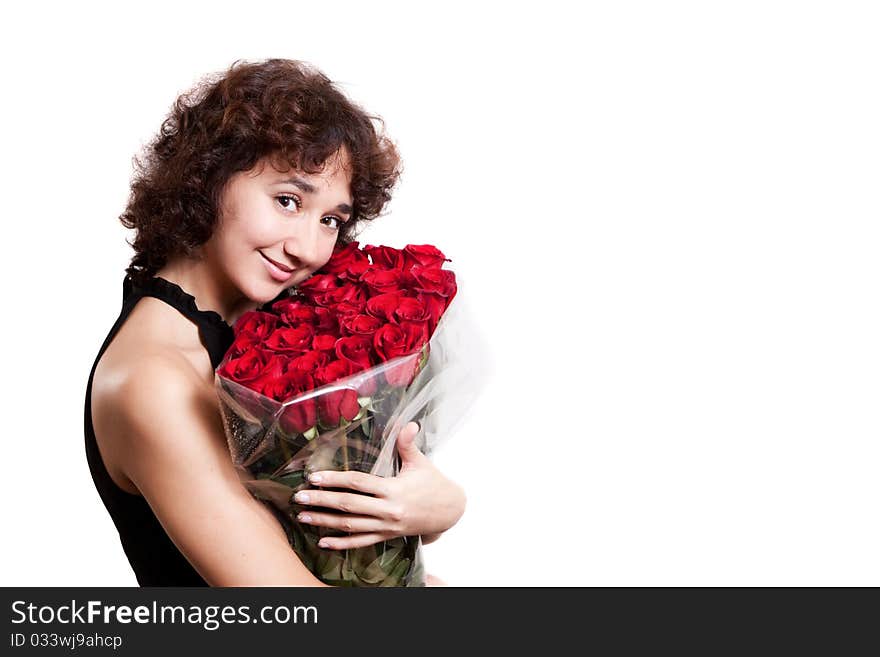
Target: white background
667, 212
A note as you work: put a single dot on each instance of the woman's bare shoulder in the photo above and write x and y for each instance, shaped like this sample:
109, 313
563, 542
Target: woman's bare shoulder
155, 340
142, 364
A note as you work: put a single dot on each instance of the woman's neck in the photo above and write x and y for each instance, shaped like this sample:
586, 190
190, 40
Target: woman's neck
210, 288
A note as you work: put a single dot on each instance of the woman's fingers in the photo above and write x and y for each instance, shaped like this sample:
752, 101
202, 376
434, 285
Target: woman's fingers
346, 523
353, 503
366, 483
355, 541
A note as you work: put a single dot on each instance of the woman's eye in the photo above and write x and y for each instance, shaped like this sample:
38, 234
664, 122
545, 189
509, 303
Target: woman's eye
288, 197
337, 220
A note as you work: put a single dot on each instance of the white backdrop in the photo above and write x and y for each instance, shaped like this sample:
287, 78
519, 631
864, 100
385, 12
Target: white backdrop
667, 213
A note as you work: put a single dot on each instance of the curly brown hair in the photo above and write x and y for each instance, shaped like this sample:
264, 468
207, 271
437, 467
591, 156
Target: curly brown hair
280, 108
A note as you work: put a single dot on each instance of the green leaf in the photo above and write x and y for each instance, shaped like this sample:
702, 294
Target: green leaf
374, 573
346, 569
291, 479
388, 559
395, 578
330, 565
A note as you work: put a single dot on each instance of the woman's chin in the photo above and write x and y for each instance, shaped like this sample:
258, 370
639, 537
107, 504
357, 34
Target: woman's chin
261, 292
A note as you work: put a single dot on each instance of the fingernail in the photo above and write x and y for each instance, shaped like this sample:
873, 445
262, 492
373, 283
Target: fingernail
304, 517
315, 478
301, 497
324, 544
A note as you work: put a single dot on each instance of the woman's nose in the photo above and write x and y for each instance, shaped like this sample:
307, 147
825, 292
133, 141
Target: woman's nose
301, 242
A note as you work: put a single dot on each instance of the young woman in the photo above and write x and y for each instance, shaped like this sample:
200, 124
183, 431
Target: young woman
249, 185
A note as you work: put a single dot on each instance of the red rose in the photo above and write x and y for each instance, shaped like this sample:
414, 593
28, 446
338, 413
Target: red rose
257, 322
381, 281
350, 293
337, 403
268, 382
385, 256
294, 311
435, 305
345, 309
434, 280
242, 342
302, 415
393, 340
453, 289
412, 310
359, 324
384, 306
247, 368
333, 371
317, 284
291, 340
325, 342
356, 350
326, 321
309, 361
248, 371
426, 255
347, 262
389, 342
417, 333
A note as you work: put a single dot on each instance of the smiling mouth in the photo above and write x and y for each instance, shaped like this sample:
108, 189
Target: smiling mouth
283, 268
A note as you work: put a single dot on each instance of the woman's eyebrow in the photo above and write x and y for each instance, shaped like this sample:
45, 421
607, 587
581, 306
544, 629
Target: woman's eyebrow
308, 188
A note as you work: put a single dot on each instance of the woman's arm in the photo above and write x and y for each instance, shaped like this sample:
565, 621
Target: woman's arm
174, 450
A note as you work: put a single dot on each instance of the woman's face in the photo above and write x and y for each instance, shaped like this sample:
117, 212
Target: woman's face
277, 228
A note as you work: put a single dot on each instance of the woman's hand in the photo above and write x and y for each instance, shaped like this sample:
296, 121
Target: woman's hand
418, 501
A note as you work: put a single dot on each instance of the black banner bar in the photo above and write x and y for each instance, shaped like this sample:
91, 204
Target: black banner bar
339, 621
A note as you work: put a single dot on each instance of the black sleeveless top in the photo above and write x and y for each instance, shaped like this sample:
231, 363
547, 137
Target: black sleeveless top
153, 556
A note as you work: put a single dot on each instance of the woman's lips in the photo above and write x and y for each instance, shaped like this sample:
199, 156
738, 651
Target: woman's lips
276, 270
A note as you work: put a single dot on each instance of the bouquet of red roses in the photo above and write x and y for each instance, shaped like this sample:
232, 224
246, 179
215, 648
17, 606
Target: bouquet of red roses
325, 378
